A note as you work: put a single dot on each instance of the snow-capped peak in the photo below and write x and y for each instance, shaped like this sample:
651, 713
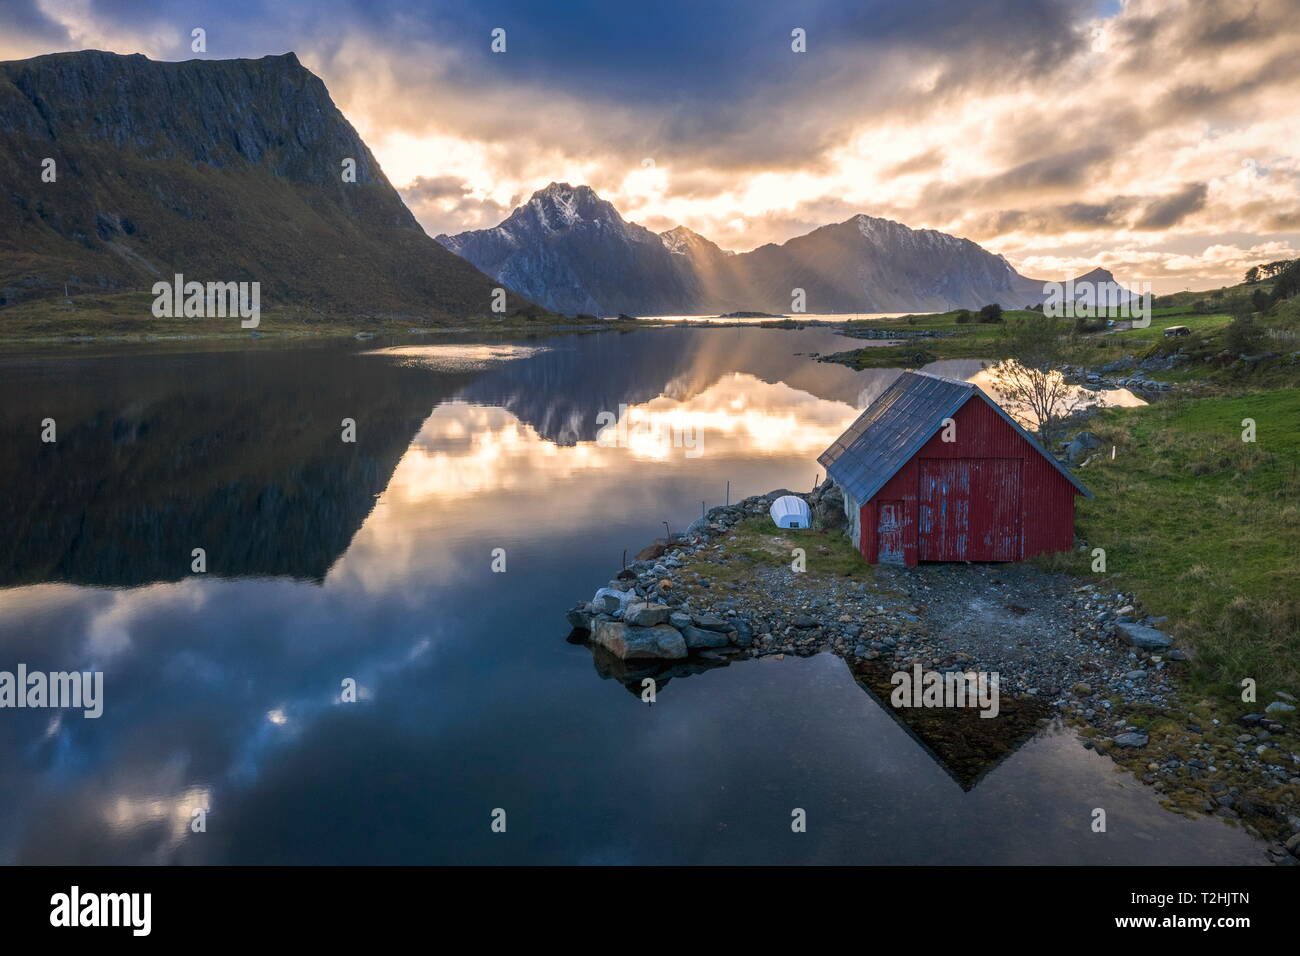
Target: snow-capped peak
560, 206
679, 240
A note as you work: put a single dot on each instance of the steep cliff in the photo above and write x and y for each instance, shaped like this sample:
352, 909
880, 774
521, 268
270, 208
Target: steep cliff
222, 170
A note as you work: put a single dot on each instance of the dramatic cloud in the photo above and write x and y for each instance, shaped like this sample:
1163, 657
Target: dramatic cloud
448, 204
1056, 132
1171, 210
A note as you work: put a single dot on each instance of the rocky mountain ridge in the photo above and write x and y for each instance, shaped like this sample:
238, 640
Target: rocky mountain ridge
572, 251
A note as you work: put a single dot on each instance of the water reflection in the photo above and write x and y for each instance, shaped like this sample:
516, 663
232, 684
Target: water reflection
373, 563
977, 371
963, 744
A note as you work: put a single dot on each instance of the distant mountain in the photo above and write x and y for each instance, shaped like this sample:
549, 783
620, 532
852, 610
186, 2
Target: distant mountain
568, 247
222, 170
1097, 279
571, 251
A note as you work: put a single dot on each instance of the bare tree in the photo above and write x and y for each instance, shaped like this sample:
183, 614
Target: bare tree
1028, 380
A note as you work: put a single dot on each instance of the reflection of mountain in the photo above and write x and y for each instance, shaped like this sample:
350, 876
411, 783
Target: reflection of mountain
560, 391
239, 454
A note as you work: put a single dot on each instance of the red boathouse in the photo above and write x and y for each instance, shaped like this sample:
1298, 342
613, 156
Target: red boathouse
935, 470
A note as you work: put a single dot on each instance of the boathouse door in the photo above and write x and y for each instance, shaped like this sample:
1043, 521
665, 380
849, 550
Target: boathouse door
889, 533
969, 510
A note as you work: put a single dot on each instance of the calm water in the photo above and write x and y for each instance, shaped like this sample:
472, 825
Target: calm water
372, 561
797, 316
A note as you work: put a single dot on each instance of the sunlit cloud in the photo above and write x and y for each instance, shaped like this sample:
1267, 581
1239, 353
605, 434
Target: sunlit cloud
1062, 134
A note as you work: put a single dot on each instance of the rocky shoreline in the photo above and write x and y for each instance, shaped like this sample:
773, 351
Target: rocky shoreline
724, 591
1128, 372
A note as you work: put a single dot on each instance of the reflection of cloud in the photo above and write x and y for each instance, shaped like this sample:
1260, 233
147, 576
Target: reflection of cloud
128, 815
454, 358
1120, 397
976, 371
470, 460
108, 632
465, 450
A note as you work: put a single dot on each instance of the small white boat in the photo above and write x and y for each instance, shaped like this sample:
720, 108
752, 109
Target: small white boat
791, 512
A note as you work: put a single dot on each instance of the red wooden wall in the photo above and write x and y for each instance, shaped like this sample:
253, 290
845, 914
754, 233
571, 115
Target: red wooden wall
1046, 497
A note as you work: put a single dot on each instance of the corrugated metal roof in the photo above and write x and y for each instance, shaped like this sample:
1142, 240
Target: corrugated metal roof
895, 426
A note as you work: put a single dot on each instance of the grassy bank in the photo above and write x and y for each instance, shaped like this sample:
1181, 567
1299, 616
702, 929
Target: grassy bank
756, 542
956, 340
1205, 528
126, 317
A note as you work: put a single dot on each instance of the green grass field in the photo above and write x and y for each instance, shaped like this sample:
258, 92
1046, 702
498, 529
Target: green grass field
969, 340
1205, 528
756, 542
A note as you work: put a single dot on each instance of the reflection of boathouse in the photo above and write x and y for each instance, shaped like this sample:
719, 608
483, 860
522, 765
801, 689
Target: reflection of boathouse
965, 745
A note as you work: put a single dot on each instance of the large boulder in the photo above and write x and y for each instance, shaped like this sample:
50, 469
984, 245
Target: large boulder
579, 617
627, 641
1083, 443
646, 614
1147, 638
828, 512
610, 600
743, 635
771, 496
697, 638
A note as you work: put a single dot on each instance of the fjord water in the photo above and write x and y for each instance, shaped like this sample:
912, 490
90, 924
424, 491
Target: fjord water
373, 561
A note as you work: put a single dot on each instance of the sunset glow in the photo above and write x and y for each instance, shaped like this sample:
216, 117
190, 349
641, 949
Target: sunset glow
1044, 130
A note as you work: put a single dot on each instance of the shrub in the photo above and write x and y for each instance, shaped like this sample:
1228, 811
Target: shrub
963, 316
1288, 282
991, 313
1243, 334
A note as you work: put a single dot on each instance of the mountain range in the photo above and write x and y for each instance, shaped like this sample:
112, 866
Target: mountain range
570, 250
119, 171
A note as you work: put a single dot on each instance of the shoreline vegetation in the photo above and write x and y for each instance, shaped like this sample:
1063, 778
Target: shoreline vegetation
125, 319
